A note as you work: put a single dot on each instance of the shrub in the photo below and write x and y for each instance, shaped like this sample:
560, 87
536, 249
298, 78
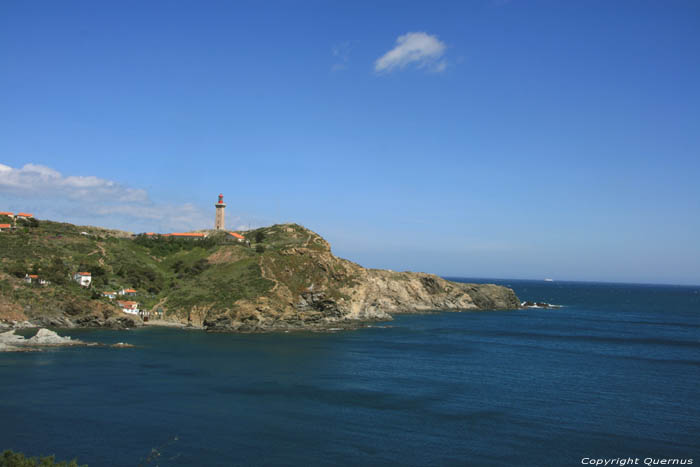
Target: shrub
17, 459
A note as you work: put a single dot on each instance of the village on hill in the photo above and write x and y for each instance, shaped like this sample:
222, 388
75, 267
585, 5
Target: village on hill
10, 221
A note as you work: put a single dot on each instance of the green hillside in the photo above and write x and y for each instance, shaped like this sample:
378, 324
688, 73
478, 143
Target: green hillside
175, 274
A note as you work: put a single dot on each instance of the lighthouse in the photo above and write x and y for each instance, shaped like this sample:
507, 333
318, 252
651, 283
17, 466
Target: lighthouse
220, 207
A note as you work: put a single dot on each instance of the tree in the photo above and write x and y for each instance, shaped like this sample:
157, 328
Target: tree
259, 249
57, 272
259, 236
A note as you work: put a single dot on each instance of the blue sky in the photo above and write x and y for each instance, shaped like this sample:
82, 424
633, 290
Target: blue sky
506, 139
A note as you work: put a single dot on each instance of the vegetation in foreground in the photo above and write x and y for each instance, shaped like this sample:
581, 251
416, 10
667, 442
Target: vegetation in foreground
16, 459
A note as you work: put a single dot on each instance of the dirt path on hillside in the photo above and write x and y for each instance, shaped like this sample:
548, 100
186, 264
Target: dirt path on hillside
100, 249
160, 303
262, 272
306, 243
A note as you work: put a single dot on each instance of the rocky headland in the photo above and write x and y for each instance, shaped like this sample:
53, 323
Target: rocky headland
284, 277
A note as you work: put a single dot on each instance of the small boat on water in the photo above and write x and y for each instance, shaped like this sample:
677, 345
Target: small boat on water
549, 280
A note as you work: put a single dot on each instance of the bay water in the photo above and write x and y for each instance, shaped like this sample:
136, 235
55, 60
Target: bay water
614, 373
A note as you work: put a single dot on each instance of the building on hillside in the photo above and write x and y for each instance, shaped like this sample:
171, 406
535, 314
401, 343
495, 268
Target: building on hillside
132, 308
219, 223
35, 279
127, 292
29, 278
83, 278
23, 215
128, 306
110, 295
6, 213
186, 235
5, 227
238, 237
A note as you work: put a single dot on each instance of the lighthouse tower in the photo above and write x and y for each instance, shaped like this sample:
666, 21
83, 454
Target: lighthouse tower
220, 208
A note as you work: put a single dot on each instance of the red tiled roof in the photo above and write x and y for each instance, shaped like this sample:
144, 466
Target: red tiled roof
85, 274
109, 293
127, 303
33, 276
24, 214
5, 226
6, 214
234, 234
129, 291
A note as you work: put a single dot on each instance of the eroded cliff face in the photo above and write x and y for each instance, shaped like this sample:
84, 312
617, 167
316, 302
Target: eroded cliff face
315, 290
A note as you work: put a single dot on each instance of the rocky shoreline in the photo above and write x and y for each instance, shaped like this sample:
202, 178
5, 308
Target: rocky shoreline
292, 282
376, 298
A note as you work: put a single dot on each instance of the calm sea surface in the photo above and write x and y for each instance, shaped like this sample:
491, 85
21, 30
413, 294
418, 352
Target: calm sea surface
615, 373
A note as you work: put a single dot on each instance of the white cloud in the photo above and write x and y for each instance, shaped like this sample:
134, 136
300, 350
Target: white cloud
48, 194
39, 179
418, 48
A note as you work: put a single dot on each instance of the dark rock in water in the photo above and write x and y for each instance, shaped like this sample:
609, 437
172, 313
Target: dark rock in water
529, 304
122, 345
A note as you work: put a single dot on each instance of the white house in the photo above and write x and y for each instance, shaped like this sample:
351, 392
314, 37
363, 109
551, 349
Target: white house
83, 278
23, 215
110, 295
129, 307
5, 227
127, 292
29, 278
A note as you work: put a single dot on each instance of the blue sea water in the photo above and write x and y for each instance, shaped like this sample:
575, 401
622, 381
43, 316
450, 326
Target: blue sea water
614, 373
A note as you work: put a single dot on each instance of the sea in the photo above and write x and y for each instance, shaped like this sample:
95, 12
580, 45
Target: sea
612, 374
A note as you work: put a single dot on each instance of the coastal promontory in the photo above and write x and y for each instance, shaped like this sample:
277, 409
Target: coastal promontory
282, 277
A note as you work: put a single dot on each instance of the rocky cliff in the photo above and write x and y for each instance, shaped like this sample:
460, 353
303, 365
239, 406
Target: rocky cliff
312, 288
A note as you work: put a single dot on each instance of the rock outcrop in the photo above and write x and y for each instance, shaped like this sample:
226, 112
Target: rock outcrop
11, 342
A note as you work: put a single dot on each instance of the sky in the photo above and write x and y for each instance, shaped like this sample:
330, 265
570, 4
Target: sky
491, 138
